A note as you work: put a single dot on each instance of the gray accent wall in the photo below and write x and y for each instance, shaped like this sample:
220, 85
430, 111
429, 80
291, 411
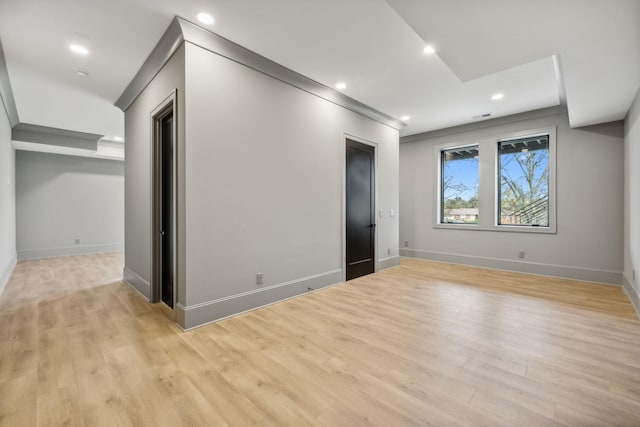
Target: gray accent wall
138, 171
632, 202
589, 172
264, 173
63, 198
261, 187
7, 201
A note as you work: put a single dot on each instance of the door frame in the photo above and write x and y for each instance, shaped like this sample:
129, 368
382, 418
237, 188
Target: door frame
345, 136
168, 105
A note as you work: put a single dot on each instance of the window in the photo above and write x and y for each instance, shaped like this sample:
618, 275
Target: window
459, 182
514, 191
523, 187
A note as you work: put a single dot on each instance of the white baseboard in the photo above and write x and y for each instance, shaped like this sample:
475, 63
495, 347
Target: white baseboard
70, 250
6, 274
388, 262
139, 284
632, 293
212, 311
564, 271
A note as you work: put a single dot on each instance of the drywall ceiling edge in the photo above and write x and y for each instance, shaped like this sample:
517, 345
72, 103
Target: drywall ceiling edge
6, 92
54, 136
182, 30
65, 151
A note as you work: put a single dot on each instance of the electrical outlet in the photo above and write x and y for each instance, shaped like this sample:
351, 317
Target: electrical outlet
259, 278
77, 241
521, 254
406, 243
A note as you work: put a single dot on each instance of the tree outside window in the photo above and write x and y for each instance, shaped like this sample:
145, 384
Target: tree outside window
459, 185
524, 181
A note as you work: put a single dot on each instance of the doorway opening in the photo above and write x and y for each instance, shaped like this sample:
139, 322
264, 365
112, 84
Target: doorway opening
360, 209
163, 255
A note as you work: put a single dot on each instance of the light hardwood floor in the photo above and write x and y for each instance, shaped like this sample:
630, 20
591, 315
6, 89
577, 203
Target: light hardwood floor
420, 344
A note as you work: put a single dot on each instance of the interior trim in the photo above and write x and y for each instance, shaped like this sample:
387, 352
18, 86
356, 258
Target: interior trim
212, 311
54, 136
169, 43
65, 151
6, 93
514, 118
632, 294
138, 284
6, 274
181, 30
607, 277
69, 250
392, 261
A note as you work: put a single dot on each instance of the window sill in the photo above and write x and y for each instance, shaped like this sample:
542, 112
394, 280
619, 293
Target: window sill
499, 228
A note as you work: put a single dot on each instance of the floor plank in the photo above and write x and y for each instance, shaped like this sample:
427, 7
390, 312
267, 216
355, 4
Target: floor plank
424, 343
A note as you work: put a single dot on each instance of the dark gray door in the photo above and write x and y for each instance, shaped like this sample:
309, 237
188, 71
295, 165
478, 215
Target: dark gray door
167, 210
360, 221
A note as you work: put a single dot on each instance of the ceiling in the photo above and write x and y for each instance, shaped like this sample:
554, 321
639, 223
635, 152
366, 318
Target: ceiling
536, 52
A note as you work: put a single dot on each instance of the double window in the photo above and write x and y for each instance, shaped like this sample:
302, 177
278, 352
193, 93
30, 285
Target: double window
503, 183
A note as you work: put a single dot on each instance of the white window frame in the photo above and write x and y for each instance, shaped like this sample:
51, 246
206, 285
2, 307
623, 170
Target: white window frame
488, 185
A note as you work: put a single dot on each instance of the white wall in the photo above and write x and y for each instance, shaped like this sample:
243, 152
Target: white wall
46, 101
632, 202
138, 169
264, 184
62, 198
589, 239
7, 200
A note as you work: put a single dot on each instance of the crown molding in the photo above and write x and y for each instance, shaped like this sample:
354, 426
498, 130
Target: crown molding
181, 31
6, 93
497, 121
169, 43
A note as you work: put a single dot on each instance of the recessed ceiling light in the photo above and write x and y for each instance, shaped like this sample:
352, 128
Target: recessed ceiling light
341, 85
405, 118
79, 49
82, 74
205, 18
428, 49
497, 96
118, 138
